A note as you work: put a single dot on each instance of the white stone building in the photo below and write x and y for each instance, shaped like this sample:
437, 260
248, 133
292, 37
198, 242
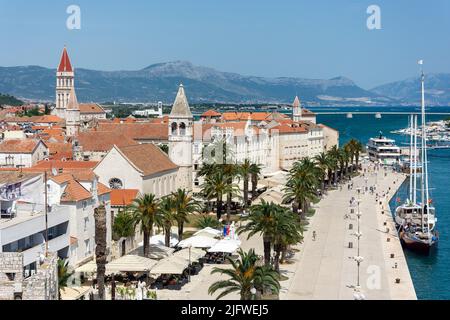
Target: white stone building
22, 153
143, 167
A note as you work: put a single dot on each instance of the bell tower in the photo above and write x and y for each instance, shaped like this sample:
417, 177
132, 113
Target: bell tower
72, 115
181, 139
64, 83
296, 109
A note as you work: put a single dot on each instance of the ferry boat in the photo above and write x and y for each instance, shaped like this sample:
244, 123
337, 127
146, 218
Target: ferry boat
416, 221
383, 150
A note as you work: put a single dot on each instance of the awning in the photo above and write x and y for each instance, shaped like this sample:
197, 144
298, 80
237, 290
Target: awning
198, 242
170, 265
74, 293
228, 246
130, 263
127, 263
157, 252
160, 239
208, 232
194, 255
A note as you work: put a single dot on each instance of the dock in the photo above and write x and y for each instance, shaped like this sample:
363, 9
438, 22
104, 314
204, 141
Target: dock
325, 268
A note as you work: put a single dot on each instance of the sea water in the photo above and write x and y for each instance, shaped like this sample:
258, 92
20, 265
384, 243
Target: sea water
430, 274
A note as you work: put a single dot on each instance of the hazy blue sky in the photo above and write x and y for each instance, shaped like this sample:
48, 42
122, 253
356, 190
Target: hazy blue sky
313, 39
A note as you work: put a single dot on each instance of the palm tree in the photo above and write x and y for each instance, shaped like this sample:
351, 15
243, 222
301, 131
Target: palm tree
184, 205
63, 274
124, 226
165, 217
262, 220
355, 148
301, 187
322, 163
100, 248
288, 231
245, 169
230, 172
255, 171
208, 221
144, 209
245, 275
216, 186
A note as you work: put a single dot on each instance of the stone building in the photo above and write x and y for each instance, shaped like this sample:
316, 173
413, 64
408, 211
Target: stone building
41, 285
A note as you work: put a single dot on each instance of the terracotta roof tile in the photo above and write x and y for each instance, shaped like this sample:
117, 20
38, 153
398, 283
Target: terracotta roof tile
74, 191
138, 130
19, 145
148, 158
211, 113
123, 197
65, 165
103, 140
64, 64
90, 108
102, 189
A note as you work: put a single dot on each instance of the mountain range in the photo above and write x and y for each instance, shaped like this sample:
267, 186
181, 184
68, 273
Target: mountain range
159, 82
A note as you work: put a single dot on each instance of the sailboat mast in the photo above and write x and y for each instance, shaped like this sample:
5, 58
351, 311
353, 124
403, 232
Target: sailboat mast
415, 161
411, 158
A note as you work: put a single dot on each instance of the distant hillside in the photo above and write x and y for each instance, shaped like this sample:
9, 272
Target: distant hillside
437, 89
160, 82
6, 99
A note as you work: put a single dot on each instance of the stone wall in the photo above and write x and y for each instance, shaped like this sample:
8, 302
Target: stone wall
43, 285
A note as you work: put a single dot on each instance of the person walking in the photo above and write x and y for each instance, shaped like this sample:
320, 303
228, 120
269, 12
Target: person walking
314, 235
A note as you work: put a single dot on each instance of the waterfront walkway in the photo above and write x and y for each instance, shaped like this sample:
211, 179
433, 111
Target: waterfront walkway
325, 268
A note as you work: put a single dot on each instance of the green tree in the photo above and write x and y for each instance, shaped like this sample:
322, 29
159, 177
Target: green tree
184, 205
208, 221
262, 220
124, 226
244, 275
144, 209
166, 216
216, 186
63, 274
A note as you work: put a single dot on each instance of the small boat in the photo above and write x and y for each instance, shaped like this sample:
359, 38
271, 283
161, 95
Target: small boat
416, 221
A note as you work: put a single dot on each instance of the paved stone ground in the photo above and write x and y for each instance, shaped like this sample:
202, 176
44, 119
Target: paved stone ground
324, 268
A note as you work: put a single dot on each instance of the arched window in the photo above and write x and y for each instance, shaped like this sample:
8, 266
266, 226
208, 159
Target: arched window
174, 128
115, 183
182, 129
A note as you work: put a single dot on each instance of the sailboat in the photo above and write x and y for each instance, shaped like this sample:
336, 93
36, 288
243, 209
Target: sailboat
416, 221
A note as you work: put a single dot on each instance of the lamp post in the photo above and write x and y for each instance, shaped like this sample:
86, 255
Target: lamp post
189, 268
253, 292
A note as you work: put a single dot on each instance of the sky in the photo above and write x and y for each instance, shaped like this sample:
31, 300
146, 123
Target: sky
311, 39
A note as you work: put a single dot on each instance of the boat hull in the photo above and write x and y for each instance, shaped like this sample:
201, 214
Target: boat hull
418, 246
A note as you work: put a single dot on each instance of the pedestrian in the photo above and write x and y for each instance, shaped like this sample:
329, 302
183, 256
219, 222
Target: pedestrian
314, 235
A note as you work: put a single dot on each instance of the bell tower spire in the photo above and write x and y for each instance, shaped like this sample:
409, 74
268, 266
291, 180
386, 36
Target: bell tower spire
64, 84
181, 139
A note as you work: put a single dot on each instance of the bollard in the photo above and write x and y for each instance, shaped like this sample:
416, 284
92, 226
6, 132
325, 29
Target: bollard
350, 245
392, 255
388, 239
397, 280
350, 226
384, 223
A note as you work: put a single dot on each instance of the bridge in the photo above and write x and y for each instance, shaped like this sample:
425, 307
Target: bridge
378, 114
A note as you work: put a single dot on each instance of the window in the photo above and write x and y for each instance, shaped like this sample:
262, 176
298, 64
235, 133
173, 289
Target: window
182, 129
87, 243
85, 203
86, 223
174, 128
115, 183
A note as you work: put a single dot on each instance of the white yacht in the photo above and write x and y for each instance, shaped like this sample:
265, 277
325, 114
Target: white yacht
383, 150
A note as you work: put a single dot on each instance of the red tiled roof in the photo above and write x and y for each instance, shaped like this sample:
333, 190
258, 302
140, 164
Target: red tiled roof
48, 119
19, 145
64, 64
102, 189
60, 150
123, 197
211, 113
65, 165
74, 191
103, 140
148, 158
90, 108
138, 130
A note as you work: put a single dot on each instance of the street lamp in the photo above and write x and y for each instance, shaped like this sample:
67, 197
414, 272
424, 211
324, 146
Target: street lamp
253, 292
189, 268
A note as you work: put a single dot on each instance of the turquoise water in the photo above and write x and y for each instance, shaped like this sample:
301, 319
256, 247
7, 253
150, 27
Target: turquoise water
430, 275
